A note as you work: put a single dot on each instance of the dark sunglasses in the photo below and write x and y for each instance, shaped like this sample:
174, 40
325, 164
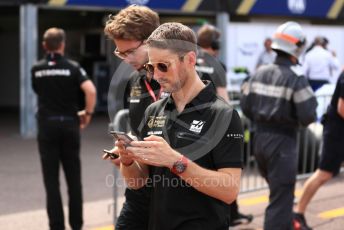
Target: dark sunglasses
162, 67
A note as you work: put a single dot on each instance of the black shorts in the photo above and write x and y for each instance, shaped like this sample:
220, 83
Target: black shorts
332, 155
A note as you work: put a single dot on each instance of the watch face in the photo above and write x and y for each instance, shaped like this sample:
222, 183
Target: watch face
180, 167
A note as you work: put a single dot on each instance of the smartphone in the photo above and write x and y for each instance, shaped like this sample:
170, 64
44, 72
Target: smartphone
122, 136
109, 154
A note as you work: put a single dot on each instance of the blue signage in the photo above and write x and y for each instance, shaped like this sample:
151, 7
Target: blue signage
155, 4
305, 8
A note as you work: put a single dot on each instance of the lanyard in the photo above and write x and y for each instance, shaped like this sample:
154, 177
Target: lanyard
151, 92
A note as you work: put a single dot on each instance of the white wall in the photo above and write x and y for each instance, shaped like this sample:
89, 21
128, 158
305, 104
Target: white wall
245, 42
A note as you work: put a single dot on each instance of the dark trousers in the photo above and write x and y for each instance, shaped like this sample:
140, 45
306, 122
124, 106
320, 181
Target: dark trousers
316, 84
59, 142
234, 211
135, 211
277, 161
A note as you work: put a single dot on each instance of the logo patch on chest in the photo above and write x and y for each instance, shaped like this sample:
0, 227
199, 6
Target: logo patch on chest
156, 122
196, 126
135, 94
135, 91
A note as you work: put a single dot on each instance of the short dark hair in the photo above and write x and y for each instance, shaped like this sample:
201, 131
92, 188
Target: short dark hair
175, 37
53, 38
207, 35
132, 23
320, 40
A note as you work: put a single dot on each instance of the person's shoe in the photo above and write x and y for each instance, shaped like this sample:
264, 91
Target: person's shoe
299, 222
241, 219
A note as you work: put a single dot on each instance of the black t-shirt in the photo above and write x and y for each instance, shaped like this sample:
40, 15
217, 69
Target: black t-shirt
338, 93
56, 80
209, 132
211, 69
137, 97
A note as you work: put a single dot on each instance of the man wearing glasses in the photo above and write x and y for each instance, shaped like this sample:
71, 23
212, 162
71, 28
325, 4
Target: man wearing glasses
191, 153
128, 30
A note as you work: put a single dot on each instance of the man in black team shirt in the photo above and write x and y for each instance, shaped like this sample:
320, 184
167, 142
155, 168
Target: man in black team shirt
207, 65
57, 82
129, 29
192, 141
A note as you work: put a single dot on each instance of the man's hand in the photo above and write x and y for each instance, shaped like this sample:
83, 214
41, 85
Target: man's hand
85, 118
154, 151
116, 161
125, 158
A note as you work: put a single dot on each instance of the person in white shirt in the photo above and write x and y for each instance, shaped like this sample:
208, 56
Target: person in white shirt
267, 56
320, 65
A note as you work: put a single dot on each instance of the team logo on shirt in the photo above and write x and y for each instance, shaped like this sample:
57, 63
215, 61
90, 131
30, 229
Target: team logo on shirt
156, 122
235, 135
52, 73
135, 94
196, 126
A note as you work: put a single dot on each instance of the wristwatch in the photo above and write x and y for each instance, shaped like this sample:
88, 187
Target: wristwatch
180, 165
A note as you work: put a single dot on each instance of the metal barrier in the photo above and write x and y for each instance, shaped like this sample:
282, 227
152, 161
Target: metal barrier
308, 146
309, 143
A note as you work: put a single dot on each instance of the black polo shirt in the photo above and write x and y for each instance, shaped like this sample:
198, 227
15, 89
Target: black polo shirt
137, 97
209, 132
211, 69
56, 80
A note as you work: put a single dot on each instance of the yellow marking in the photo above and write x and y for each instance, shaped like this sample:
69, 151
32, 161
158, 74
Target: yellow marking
245, 6
110, 227
191, 5
57, 2
261, 199
253, 200
332, 213
335, 9
298, 193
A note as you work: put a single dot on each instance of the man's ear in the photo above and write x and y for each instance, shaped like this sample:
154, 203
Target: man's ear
44, 45
63, 45
191, 58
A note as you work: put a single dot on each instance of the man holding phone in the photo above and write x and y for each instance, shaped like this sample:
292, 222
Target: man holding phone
128, 30
191, 156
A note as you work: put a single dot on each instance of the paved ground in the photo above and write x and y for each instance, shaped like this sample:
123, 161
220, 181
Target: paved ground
326, 212
22, 198
22, 195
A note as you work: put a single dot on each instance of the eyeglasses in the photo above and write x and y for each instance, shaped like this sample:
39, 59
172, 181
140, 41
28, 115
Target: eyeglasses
125, 54
161, 66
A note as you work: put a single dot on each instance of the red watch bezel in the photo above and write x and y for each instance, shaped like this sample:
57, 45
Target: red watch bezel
182, 161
